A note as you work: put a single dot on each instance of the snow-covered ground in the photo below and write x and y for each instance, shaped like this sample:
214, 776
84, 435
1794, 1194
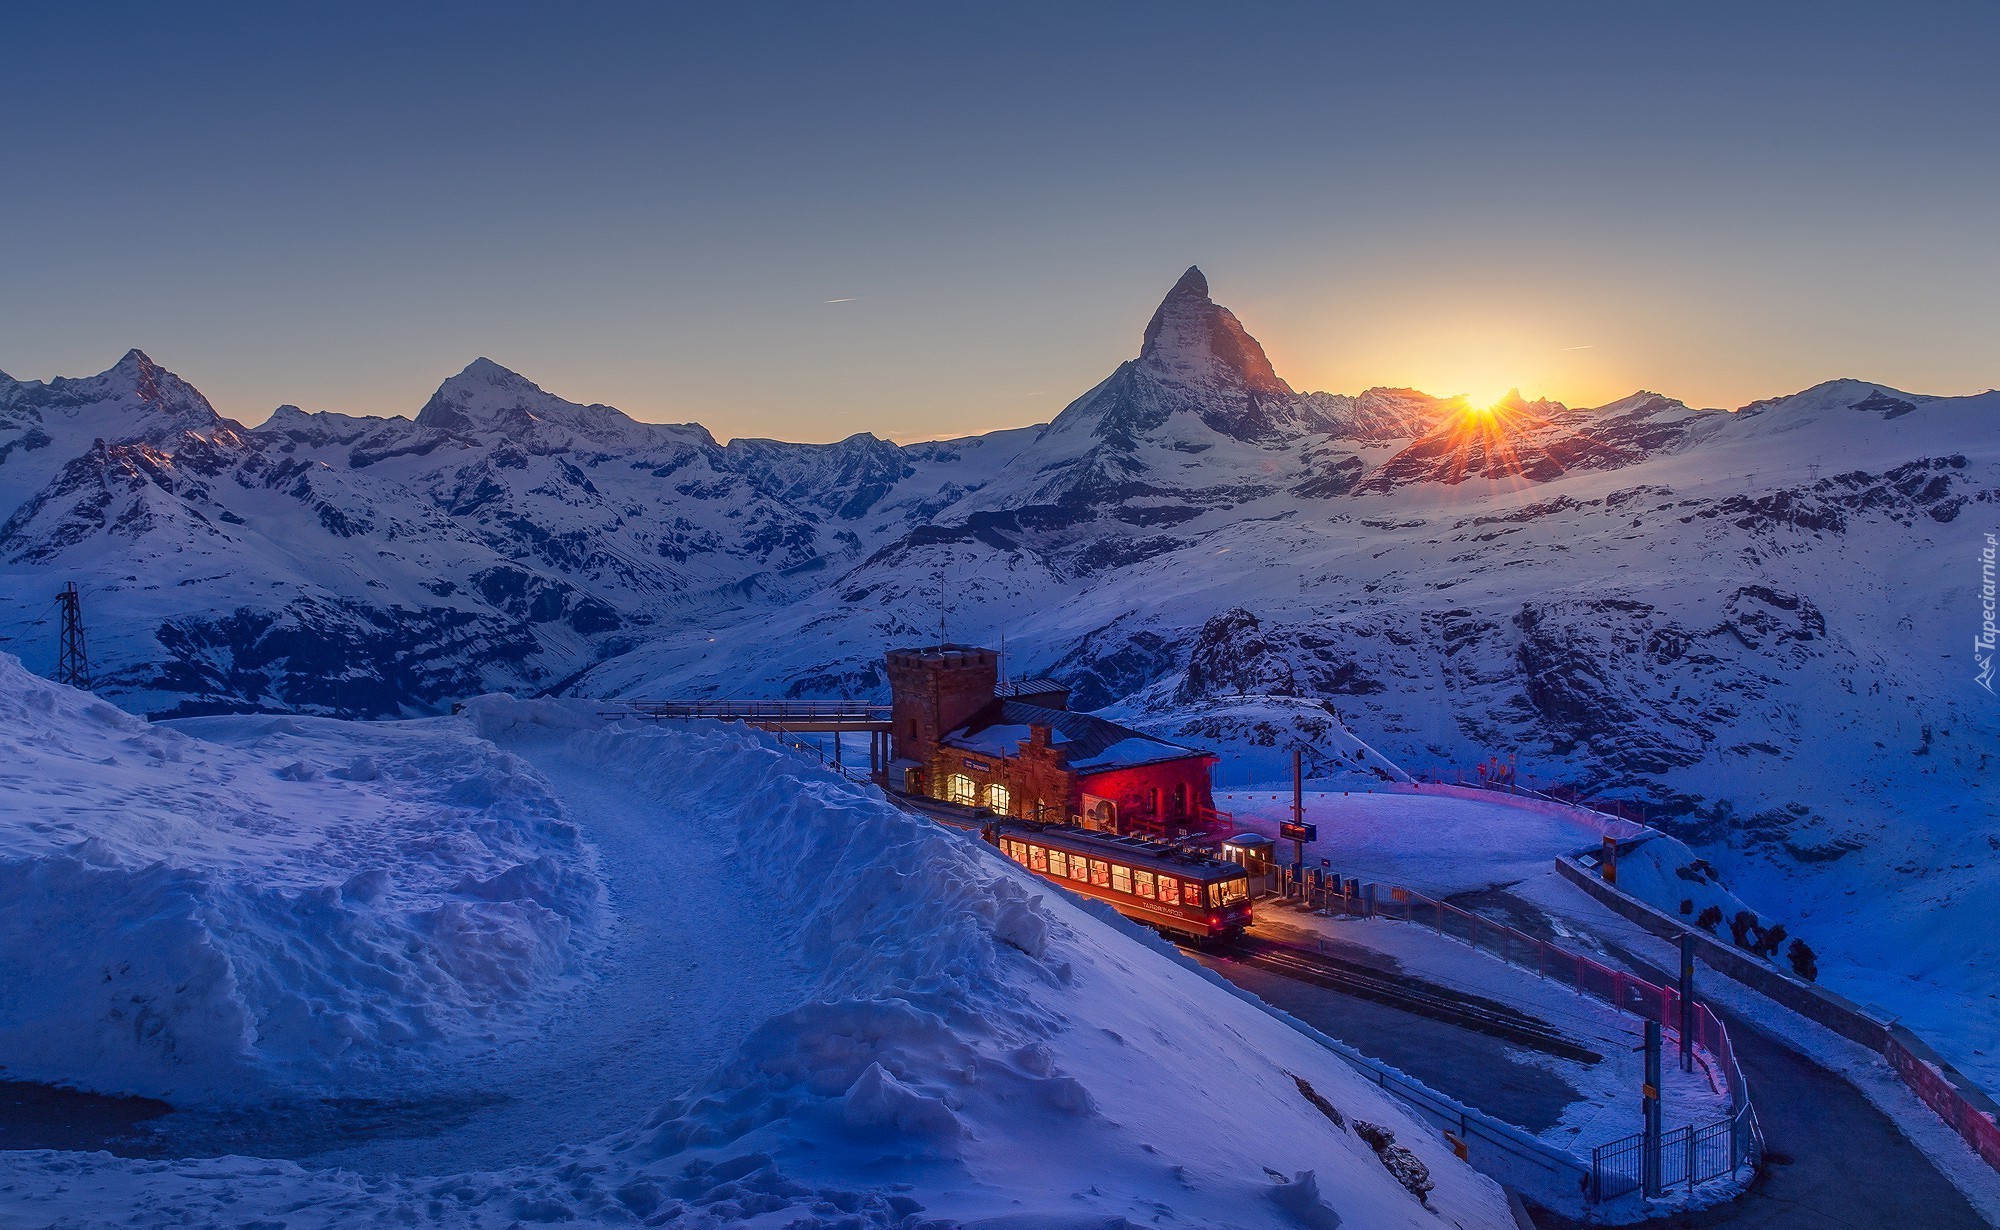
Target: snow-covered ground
792, 1004
1581, 918
1436, 844
259, 903
1605, 1106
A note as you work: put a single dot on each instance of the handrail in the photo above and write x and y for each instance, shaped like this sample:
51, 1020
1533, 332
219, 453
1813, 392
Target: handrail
757, 708
1624, 991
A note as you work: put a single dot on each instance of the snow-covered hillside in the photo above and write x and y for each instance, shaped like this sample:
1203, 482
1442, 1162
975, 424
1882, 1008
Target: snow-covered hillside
1756, 622
938, 1037
267, 904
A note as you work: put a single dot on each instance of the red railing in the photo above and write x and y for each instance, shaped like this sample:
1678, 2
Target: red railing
1624, 991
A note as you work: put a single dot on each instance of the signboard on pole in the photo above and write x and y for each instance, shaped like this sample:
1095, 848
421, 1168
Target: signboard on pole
1298, 832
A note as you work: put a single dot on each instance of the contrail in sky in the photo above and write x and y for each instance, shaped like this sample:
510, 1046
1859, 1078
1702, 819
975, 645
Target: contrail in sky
1579, 348
855, 299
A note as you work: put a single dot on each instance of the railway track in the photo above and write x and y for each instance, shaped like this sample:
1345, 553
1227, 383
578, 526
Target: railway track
1414, 995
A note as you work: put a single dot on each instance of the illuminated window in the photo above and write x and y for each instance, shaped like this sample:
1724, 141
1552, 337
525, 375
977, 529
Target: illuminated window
1142, 883
1228, 892
959, 789
1121, 879
1079, 868
1190, 893
1100, 873
999, 799
1059, 864
1018, 851
1170, 890
1038, 858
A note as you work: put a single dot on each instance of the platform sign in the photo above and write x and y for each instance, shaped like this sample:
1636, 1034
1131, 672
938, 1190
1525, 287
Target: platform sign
1298, 832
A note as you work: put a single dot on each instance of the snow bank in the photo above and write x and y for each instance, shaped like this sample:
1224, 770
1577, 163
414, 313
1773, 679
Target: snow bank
975, 1048
985, 1046
278, 903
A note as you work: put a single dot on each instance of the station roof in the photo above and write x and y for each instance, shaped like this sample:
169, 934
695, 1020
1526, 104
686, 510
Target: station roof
1029, 687
1093, 744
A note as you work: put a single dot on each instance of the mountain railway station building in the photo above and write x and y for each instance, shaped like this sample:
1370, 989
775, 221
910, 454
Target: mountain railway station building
1016, 749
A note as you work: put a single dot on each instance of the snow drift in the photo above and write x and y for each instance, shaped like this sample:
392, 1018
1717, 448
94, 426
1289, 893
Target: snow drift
972, 1047
280, 902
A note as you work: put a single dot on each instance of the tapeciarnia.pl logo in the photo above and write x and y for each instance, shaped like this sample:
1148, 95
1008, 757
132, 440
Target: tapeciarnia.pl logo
1982, 645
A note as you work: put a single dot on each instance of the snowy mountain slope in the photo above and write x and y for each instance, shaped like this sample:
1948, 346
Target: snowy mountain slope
969, 1044
1754, 621
328, 563
277, 904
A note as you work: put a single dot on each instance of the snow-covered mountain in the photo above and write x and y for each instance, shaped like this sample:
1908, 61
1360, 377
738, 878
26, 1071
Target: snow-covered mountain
1757, 621
327, 563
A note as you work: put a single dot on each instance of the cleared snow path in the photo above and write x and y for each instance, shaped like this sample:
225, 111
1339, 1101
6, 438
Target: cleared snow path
657, 1010
666, 1004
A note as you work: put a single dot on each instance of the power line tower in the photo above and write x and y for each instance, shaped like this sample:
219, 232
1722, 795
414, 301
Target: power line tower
73, 660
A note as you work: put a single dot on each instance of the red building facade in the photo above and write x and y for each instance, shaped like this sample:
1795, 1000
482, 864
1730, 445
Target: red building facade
1016, 749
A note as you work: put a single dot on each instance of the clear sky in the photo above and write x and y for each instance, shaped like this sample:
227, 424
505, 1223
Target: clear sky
804, 221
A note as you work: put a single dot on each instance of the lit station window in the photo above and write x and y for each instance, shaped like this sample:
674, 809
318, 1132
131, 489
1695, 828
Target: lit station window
959, 788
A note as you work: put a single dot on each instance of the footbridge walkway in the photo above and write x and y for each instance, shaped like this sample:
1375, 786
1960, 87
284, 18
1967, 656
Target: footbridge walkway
782, 717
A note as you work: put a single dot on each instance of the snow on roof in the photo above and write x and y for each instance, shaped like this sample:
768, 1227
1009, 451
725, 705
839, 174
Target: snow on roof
1029, 687
1094, 744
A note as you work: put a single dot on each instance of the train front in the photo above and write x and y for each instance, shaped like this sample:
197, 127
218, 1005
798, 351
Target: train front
1229, 901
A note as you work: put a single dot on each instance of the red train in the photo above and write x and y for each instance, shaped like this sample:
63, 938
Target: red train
1168, 887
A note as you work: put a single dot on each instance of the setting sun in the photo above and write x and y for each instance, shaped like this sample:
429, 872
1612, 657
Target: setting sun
1484, 403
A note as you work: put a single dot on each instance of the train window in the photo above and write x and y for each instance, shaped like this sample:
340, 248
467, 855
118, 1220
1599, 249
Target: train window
1079, 868
1228, 892
1142, 883
1170, 890
1190, 893
999, 799
1059, 864
1121, 879
1100, 873
1038, 858
958, 788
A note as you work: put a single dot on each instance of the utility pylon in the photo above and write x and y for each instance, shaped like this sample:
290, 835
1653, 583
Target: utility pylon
72, 659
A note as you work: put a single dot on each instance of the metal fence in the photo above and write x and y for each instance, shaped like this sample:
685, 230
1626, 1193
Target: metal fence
1693, 1153
1526, 1161
1690, 1155
758, 710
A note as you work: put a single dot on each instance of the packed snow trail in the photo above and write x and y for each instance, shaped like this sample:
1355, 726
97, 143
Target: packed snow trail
668, 1001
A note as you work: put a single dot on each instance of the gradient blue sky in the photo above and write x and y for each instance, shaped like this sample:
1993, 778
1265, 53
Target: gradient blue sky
339, 205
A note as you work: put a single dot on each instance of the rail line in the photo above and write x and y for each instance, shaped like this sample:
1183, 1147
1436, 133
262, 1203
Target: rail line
1401, 991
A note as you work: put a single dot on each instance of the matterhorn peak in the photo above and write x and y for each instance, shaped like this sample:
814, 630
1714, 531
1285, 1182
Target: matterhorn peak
1193, 284
1194, 340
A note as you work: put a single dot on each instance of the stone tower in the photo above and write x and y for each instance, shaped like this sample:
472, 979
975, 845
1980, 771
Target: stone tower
933, 691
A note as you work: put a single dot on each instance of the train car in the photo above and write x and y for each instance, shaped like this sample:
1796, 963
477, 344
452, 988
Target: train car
1169, 887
